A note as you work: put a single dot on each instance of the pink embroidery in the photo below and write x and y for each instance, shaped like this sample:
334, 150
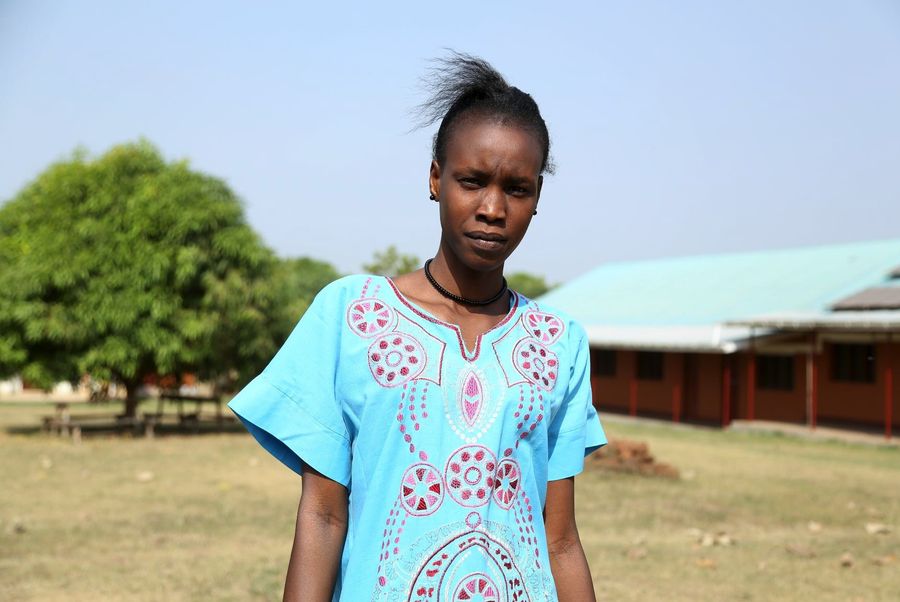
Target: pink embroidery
407, 409
473, 520
421, 489
545, 327
434, 360
462, 346
369, 317
396, 358
536, 363
476, 586
471, 398
507, 482
427, 584
469, 475
387, 536
503, 350
525, 520
528, 417
471, 408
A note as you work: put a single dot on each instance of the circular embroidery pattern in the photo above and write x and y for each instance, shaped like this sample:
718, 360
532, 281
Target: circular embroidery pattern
470, 475
421, 489
506, 483
473, 520
546, 328
536, 363
370, 317
476, 586
396, 358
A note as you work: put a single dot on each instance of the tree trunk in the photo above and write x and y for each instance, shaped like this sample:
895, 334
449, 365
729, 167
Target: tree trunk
131, 398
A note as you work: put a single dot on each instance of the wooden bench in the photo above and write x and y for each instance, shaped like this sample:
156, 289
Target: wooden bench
72, 425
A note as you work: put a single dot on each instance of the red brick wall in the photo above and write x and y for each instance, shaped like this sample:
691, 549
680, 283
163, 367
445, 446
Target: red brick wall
779, 406
700, 376
654, 397
859, 402
611, 393
703, 397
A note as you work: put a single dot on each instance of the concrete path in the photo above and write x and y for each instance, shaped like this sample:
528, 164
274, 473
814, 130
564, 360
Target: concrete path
820, 433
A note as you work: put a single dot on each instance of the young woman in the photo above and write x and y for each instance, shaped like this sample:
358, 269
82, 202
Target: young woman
438, 419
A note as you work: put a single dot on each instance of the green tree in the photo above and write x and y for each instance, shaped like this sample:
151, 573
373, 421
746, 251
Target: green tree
299, 279
127, 266
530, 285
391, 262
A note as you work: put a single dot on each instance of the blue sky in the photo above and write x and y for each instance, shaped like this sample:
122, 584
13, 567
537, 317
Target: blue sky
678, 127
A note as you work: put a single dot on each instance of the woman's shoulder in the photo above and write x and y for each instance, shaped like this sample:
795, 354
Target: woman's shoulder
351, 286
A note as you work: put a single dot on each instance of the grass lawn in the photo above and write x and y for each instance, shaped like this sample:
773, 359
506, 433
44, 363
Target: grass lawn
210, 516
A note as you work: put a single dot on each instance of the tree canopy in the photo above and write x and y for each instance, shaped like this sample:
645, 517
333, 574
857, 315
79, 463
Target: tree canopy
299, 279
391, 262
530, 285
128, 265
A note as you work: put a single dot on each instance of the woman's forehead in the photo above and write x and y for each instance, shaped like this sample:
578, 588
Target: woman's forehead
490, 144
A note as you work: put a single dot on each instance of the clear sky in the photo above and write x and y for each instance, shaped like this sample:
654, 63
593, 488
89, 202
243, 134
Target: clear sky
678, 127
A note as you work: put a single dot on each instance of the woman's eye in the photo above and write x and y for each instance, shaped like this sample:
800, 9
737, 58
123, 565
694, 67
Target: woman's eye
469, 182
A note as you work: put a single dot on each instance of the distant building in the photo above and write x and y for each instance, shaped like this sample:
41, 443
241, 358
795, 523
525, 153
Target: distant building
808, 335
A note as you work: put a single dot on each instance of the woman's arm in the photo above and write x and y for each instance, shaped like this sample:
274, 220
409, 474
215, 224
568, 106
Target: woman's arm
567, 560
318, 539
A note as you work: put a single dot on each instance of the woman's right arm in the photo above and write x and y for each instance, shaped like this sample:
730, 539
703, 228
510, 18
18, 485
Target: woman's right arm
318, 539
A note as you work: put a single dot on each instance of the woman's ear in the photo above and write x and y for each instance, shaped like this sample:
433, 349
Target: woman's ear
537, 197
434, 180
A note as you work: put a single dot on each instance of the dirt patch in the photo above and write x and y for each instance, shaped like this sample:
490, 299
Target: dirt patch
624, 455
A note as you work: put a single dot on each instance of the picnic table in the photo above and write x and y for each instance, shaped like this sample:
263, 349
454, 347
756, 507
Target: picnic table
180, 399
64, 423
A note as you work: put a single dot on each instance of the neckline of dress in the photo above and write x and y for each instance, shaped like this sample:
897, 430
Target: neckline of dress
427, 315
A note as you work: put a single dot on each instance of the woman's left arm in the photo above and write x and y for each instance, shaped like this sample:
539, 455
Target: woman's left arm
567, 560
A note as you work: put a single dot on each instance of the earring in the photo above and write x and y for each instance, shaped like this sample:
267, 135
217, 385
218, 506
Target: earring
535, 212
431, 196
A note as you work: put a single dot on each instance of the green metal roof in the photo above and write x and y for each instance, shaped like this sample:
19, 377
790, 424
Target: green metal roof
712, 289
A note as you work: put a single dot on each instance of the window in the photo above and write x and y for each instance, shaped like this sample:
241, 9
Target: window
853, 363
775, 372
649, 365
603, 362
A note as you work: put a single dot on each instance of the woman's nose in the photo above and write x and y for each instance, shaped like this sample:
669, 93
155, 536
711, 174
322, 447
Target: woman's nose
493, 204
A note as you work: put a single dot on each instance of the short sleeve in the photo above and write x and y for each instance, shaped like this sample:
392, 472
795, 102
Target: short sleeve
291, 407
575, 430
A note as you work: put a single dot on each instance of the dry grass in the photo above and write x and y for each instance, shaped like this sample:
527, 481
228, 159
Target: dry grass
211, 517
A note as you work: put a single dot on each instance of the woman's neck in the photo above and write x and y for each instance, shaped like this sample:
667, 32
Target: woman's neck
461, 280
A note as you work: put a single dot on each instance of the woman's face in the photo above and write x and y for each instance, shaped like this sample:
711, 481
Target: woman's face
488, 187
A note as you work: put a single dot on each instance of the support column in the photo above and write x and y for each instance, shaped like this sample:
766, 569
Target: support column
676, 402
812, 378
632, 396
751, 386
726, 391
888, 392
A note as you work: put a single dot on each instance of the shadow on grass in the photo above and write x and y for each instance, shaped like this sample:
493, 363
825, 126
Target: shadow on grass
112, 430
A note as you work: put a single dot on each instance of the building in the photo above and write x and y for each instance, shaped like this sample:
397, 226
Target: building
808, 335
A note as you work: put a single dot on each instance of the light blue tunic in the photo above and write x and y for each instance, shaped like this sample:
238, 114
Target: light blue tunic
446, 451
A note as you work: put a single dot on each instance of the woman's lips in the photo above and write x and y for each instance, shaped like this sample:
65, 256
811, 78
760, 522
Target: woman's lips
486, 242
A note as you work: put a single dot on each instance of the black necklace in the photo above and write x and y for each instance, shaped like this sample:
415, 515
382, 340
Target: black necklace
457, 298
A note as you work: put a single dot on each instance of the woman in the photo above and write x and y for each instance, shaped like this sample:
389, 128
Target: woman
452, 411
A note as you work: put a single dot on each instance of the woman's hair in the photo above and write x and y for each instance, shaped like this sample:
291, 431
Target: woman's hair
465, 85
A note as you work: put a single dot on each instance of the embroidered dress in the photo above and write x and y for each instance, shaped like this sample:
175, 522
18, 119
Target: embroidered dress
446, 451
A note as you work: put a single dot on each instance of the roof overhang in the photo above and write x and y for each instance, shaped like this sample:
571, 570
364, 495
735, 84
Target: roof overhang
712, 338
880, 321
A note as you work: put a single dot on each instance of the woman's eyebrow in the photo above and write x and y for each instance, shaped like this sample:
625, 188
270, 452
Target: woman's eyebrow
471, 171
519, 180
